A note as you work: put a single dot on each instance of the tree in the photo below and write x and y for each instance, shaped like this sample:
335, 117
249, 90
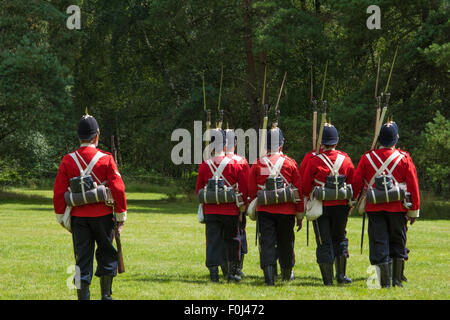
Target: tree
432, 155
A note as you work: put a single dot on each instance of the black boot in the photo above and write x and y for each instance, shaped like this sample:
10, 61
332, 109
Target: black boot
397, 269
404, 279
106, 287
214, 273
287, 274
327, 273
269, 275
233, 267
390, 269
83, 293
241, 266
385, 275
224, 267
341, 267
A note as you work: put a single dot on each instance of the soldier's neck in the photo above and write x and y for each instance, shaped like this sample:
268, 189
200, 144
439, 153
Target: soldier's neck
88, 145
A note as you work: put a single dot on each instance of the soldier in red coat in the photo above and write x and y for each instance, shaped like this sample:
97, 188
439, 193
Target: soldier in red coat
275, 222
91, 223
304, 164
382, 171
330, 227
222, 219
243, 169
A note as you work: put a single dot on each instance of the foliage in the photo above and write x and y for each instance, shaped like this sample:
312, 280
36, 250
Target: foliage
433, 155
138, 65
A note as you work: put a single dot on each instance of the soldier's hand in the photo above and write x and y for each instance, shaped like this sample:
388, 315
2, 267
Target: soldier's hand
299, 224
62, 225
120, 226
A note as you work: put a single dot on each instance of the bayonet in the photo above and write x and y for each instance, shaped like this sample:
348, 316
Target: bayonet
377, 97
266, 117
324, 111
324, 80
218, 104
208, 114
277, 111
322, 125
314, 105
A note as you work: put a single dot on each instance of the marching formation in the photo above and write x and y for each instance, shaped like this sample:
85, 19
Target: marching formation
277, 196
275, 192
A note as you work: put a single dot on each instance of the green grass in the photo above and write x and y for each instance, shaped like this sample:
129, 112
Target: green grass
164, 252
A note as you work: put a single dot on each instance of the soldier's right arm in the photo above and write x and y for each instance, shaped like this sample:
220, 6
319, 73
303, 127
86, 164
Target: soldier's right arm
242, 179
304, 163
412, 185
59, 188
307, 179
358, 178
297, 182
252, 181
200, 177
115, 183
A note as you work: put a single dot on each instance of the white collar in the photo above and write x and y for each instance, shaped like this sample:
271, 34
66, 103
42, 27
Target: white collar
383, 147
88, 145
272, 153
220, 154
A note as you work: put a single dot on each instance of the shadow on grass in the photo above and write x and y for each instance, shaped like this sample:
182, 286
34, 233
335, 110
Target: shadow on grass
15, 197
141, 206
251, 280
163, 206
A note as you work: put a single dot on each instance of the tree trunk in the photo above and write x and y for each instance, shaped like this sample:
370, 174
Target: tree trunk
317, 4
303, 5
252, 83
119, 156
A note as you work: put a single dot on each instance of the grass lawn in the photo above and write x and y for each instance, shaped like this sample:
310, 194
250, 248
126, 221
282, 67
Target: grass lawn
164, 252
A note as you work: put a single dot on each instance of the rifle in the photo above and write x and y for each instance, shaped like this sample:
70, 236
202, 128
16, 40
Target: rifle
324, 112
121, 266
314, 136
277, 111
378, 123
319, 139
263, 138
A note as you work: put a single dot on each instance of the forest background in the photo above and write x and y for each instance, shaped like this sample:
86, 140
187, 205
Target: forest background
138, 67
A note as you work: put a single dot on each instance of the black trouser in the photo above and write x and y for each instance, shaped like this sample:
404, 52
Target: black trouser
276, 239
387, 236
243, 235
222, 238
331, 228
86, 232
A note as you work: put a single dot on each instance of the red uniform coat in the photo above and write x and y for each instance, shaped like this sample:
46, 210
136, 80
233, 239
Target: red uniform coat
289, 170
305, 162
236, 172
105, 169
404, 172
317, 170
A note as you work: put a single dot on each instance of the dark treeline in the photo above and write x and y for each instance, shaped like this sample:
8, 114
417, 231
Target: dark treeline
138, 65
